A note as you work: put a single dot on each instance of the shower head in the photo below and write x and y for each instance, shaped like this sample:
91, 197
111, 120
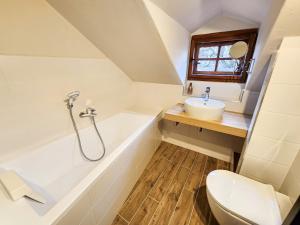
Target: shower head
71, 97
73, 94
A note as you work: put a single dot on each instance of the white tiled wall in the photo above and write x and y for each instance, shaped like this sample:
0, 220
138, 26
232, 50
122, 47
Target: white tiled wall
291, 184
275, 140
153, 95
32, 93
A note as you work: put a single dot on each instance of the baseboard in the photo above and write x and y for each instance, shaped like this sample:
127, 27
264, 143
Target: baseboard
224, 157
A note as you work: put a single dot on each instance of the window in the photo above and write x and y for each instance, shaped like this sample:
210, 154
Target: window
210, 59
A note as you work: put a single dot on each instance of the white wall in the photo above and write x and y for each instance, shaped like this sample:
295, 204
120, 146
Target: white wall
33, 86
275, 139
175, 38
34, 28
160, 96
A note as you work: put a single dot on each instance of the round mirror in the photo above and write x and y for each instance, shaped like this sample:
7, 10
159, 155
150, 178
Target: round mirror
238, 49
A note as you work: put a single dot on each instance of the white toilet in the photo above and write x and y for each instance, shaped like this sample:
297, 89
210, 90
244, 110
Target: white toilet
236, 200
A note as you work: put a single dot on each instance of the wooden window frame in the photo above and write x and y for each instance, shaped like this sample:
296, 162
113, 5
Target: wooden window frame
220, 39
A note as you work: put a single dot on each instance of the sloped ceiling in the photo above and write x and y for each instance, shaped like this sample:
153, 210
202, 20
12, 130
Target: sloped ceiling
49, 35
193, 14
252, 10
125, 32
175, 38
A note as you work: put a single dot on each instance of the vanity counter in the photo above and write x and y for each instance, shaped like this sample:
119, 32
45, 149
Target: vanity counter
235, 124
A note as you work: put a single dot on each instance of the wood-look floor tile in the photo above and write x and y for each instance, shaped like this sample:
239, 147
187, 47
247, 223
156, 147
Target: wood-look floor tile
157, 155
183, 208
140, 180
151, 166
189, 159
196, 174
169, 151
141, 191
195, 219
186, 202
222, 165
167, 205
145, 212
211, 164
119, 221
163, 146
163, 183
178, 156
201, 205
171, 190
199, 163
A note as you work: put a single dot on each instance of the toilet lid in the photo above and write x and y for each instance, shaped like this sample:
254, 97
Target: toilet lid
250, 200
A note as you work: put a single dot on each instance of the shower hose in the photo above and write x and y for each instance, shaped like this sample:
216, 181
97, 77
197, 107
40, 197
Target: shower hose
79, 140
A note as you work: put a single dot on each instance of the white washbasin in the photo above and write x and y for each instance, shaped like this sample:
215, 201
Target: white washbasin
204, 110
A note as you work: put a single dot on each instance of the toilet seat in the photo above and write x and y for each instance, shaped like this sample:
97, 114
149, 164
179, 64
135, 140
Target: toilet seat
247, 199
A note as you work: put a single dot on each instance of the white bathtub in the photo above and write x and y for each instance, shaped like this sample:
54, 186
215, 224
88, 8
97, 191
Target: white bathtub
79, 191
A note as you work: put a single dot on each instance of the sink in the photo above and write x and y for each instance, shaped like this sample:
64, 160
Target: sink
204, 110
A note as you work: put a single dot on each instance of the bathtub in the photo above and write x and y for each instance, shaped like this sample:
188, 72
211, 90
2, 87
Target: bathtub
79, 191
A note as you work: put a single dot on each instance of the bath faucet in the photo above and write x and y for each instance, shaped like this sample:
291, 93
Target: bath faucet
206, 94
89, 112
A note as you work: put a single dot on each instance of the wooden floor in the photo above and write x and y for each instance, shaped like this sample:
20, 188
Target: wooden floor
171, 190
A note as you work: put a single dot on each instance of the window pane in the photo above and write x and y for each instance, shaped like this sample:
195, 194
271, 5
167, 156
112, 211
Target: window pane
226, 66
208, 52
206, 65
224, 52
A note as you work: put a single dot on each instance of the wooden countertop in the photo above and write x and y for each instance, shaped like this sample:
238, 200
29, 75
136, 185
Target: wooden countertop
232, 123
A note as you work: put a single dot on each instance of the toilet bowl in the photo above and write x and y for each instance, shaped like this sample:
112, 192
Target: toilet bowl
237, 200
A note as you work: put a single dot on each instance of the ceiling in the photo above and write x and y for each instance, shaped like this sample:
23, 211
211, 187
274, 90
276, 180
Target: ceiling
192, 14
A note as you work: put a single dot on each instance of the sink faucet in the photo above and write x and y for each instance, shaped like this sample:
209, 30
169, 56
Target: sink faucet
206, 95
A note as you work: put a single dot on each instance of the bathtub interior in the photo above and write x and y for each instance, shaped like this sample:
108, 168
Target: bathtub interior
55, 169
